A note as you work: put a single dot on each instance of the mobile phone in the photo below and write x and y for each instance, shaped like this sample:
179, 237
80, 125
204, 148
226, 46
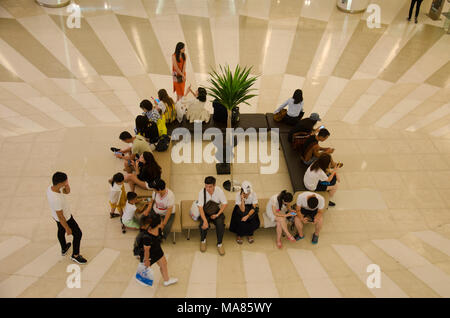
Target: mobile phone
321, 127
157, 100
118, 153
293, 213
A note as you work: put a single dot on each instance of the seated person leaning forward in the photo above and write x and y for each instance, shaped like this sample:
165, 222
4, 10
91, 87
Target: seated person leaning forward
311, 150
147, 171
310, 209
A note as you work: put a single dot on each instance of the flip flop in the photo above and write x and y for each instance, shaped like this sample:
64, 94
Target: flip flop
250, 240
239, 241
279, 245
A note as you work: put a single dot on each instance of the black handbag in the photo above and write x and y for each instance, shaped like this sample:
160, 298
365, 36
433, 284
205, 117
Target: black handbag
179, 79
210, 207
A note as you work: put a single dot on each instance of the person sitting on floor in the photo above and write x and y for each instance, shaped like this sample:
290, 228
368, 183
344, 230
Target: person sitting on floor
118, 195
137, 146
306, 125
167, 106
163, 202
320, 176
146, 129
245, 219
195, 108
147, 170
277, 210
309, 208
128, 217
295, 108
150, 111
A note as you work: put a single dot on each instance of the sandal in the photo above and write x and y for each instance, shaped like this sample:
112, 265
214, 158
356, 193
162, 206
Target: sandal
239, 240
292, 239
279, 245
113, 215
250, 239
340, 165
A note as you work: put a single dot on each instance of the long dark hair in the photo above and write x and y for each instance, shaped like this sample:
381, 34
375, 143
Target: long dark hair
142, 124
178, 48
284, 196
323, 162
163, 96
152, 167
201, 94
298, 96
118, 177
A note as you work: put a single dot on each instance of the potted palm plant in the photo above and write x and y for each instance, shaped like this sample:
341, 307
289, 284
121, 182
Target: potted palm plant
231, 88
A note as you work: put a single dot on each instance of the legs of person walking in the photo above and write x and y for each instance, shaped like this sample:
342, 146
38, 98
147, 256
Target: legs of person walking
77, 234
419, 2
162, 262
61, 236
411, 7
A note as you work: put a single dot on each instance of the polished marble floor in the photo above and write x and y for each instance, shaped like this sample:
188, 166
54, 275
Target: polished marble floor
66, 94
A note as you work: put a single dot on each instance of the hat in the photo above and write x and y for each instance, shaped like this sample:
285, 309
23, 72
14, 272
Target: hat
246, 187
315, 116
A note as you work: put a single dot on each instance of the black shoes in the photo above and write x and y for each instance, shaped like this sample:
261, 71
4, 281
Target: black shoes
79, 259
415, 20
115, 149
114, 215
124, 229
64, 251
409, 19
315, 239
331, 203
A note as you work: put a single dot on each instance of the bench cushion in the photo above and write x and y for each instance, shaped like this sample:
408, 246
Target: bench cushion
283, 127
296, 167
176, 226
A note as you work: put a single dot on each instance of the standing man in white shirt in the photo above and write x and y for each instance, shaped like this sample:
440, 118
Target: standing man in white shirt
211, 204
56, 195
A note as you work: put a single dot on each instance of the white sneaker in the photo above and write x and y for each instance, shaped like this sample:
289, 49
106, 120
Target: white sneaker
170, 281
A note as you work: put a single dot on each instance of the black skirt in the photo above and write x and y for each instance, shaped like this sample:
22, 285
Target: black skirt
244, 228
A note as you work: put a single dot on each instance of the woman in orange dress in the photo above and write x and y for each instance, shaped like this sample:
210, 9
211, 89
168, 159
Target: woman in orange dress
179, 70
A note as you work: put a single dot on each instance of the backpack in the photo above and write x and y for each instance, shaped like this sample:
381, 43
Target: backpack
298, 140
163, 143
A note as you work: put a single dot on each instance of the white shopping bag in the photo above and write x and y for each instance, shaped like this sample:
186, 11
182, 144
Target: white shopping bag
194, 212
144, 275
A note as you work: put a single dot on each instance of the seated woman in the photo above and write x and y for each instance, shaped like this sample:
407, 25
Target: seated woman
147, 171
245, 219
163, 202
195, 108
167, 106
321, 176
149, 111
278, 209
295, 108
146, 129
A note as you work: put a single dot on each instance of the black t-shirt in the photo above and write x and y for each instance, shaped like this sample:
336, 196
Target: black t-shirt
305, 125
154, 242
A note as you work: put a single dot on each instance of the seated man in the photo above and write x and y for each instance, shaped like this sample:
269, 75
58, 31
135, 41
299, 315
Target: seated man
306, 125
311, 149
138, 146
309, 209
211, 204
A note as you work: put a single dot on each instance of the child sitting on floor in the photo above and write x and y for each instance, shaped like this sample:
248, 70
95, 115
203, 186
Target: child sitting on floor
128, 218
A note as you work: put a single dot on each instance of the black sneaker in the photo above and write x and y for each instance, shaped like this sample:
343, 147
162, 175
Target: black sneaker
298, 237
64, 251
409, 19
113, 215
315, 239
415, 20
79, 259
331, 203
114, 149
124, 229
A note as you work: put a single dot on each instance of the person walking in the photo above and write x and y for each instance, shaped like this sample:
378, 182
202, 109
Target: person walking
417, 3
56, 195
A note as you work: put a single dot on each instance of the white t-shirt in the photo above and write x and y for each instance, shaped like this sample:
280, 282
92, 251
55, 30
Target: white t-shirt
128, 212
293, 109
114, 195
162, 204
312, 178
218, 196
302, 200
252, 199
57, 202
273, 202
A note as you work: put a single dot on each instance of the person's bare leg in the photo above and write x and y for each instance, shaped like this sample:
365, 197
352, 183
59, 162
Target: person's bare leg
338, 178
299, 225
130, 178
318, 226
163, 268
332, 190
284, 227
279, 231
